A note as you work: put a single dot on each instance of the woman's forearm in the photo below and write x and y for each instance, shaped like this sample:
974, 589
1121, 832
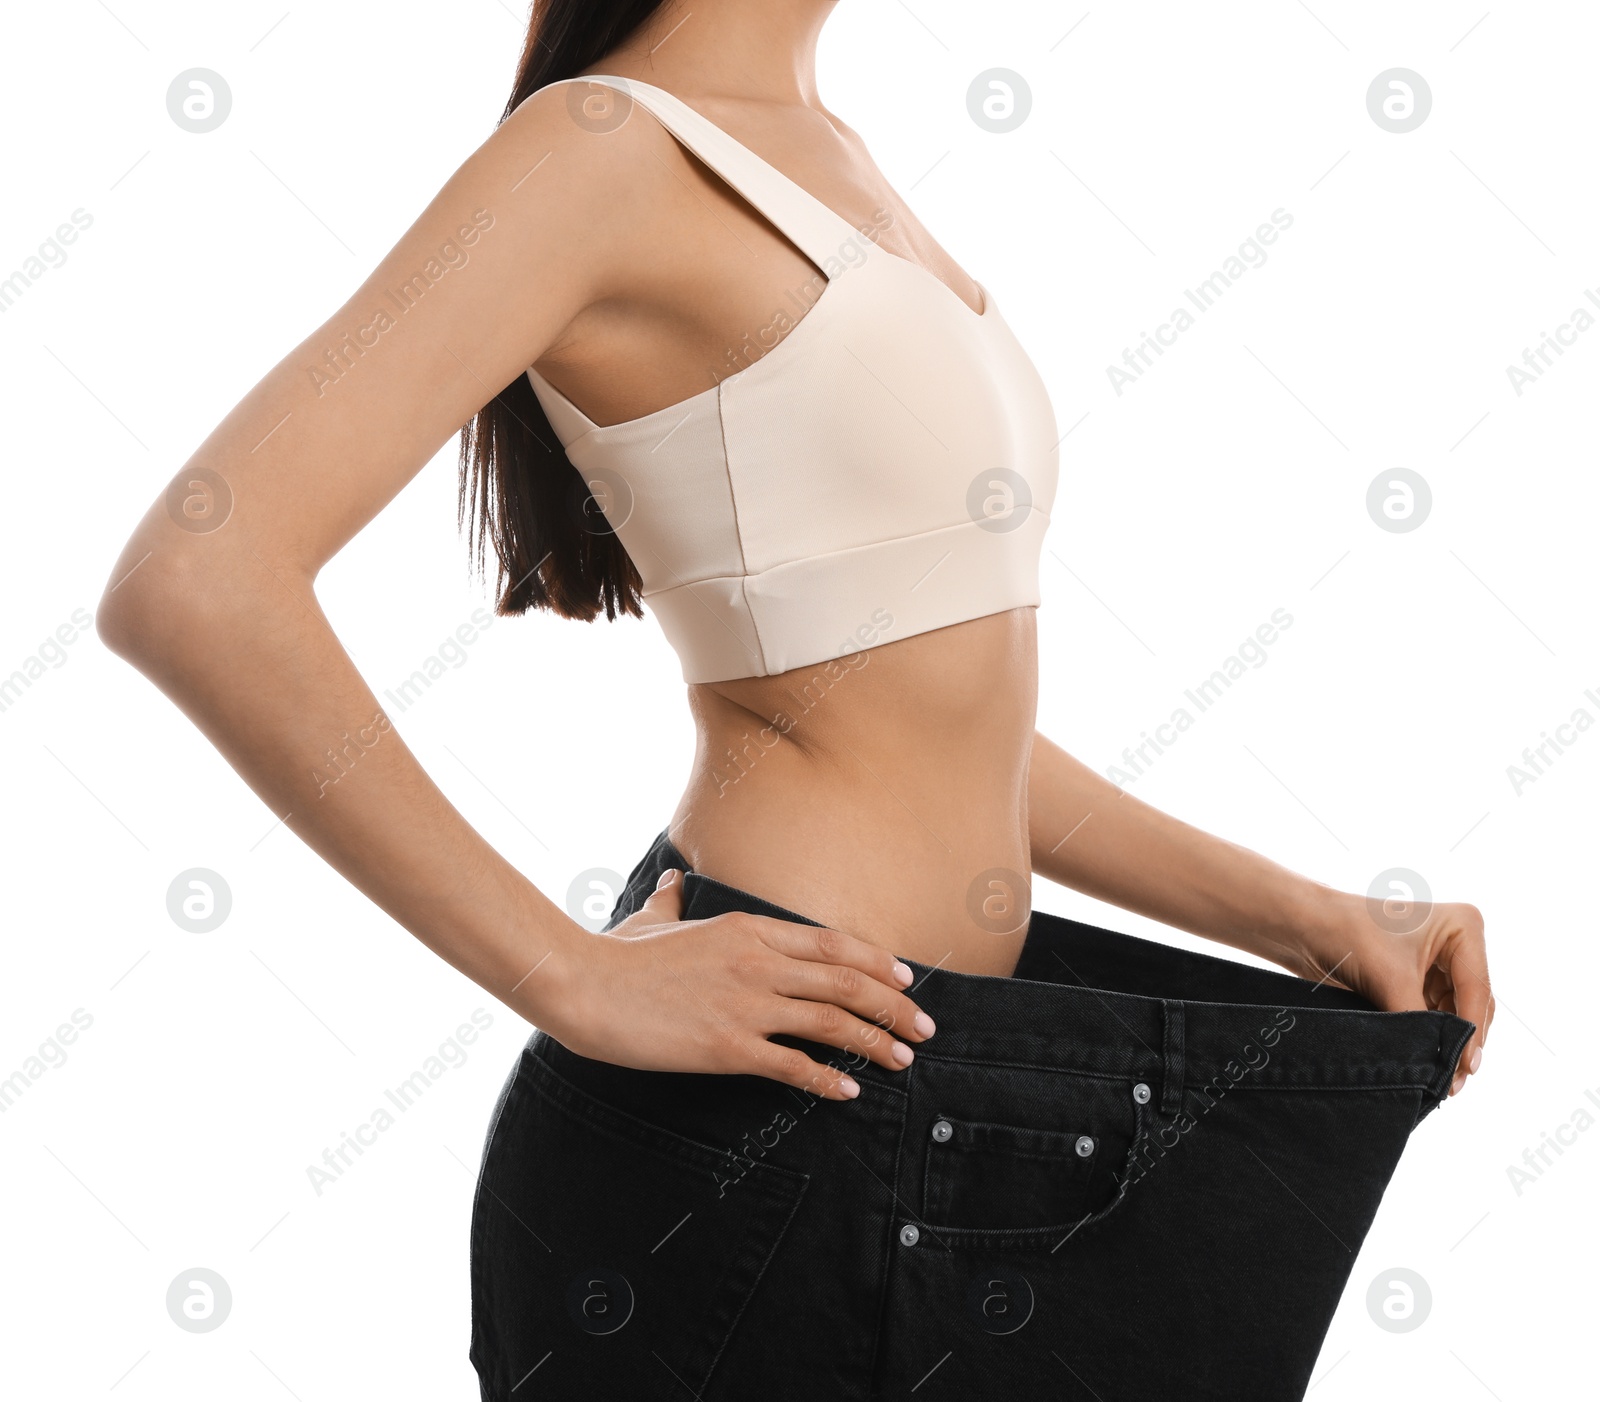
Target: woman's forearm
245, 652
1088, 834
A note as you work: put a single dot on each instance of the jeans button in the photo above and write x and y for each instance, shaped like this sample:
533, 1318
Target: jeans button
942, 1130
909, 1235
1141, 1093
1084, 1146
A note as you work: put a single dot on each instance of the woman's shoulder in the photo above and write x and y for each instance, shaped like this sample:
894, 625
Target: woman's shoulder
588, 122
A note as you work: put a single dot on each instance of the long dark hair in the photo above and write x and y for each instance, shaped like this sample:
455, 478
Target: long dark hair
554, 548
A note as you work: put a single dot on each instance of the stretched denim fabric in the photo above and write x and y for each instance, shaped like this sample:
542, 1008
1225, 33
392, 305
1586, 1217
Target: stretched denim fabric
1127, 1172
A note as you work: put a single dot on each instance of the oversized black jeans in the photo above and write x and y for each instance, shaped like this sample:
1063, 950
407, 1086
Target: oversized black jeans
1126, 1172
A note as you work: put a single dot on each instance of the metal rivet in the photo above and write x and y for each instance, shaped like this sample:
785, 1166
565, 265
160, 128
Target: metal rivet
909, 1235
1141, 1093
942, 1130
1084, 1146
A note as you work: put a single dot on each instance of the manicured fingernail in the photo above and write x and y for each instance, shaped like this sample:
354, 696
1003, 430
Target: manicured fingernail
902, 1054
923, 1023
903, 973
849, 1087
1475, 1058
665, 877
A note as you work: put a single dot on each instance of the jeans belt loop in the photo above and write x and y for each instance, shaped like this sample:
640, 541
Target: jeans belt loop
1172, 1056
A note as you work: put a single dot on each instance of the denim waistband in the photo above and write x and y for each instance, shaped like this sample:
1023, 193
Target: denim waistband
1094, 1000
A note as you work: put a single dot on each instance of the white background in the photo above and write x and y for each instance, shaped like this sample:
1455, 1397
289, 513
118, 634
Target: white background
1229, 481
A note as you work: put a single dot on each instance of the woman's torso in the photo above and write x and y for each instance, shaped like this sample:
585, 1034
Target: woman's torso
885, 792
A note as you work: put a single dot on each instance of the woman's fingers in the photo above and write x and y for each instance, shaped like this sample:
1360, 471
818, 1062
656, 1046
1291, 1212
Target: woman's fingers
794, 1068
826, 945
829, 1024
842, 992
859, 993
829, 966
1473, 998
829, 969
663, 906
709, 994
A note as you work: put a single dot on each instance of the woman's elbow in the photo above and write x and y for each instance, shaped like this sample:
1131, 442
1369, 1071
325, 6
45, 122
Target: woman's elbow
155, 597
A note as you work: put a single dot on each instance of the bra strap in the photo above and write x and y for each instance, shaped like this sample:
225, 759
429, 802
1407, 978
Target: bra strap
800, 216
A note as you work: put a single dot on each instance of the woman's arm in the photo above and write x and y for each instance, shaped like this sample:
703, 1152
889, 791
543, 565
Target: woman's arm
213, 599
1089, 834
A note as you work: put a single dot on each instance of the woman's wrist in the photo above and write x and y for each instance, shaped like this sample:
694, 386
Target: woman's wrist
1323, 927
542, 976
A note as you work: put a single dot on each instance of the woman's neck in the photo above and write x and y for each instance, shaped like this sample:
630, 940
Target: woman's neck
754, 50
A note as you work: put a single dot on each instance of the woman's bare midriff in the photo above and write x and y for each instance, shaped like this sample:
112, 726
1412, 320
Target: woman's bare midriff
884, 793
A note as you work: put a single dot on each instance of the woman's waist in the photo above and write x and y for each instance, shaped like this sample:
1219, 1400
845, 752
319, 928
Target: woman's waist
852, 761
941, 877
1092, 1017
1091, 1002
971, 685
892, 806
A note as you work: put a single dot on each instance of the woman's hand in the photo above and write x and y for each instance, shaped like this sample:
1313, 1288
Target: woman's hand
1127, 853
660, 993
1440, 965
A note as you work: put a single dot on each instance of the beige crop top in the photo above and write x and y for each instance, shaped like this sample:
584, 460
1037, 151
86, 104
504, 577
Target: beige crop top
886, 468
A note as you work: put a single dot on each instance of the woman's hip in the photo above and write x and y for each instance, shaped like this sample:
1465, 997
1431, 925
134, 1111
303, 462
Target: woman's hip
1121, 1153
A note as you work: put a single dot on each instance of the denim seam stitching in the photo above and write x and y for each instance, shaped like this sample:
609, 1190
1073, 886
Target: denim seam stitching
960, 1122
1009, 1238
995, 1063
484, 1345
1264, 1087
1078, 1168
1407, 1078
704, 1159
744, 1304
1172, 1056
874, 1082
886, 1259
1437, 1088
